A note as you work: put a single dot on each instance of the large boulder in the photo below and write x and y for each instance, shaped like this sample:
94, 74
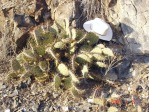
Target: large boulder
133, 16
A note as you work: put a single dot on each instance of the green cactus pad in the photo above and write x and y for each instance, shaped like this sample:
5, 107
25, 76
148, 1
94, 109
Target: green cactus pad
67, 83
75, 93
42, 78
12, 75
101, 46
108, 52
73, 77
60, 45
27, 67
20, 58
73, 34
43, 65
95, 76
72, 50
99, 57
40, 50
99, 101
63, 35
57, 81
85, 70
66, 40
54, 28
29, 54
67, 28
31, 42
91, 38
72, 47
79, 34
83, 58
85, 48
36, 71
97, 50
15, 65
26, 75
101, 64
63, 69
46, 38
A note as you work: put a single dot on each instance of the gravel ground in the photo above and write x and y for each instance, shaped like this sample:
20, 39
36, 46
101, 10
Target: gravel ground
30, 96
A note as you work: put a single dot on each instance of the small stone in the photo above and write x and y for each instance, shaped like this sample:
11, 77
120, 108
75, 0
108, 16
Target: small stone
35, 107
133, 73
55, 95
15, 102
123, 68
46, 109
112, 109
145, 95
28, 81
115, 95
15, 93
139, 89
23, 85
24, 110
86, 108
73, 23
146, 60
7, 110
51, 109
2, 86
24, 20
111, 75
90, 100
65, 108
56, 108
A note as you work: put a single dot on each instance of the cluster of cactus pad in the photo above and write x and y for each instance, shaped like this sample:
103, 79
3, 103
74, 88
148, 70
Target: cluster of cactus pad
64, 55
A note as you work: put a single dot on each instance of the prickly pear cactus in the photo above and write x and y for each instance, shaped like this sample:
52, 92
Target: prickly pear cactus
62, 54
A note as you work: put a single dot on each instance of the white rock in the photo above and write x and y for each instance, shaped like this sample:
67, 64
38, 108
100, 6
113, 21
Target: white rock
134, 73
7, 110
65, 108
90, 100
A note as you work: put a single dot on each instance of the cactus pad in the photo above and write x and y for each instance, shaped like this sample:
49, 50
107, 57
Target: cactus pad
101, 64
62, 68
43, 65
67, 83
15, 65
108, 52
83, 58
59, 45
36, 71
92, 38
97, 50
57, 81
